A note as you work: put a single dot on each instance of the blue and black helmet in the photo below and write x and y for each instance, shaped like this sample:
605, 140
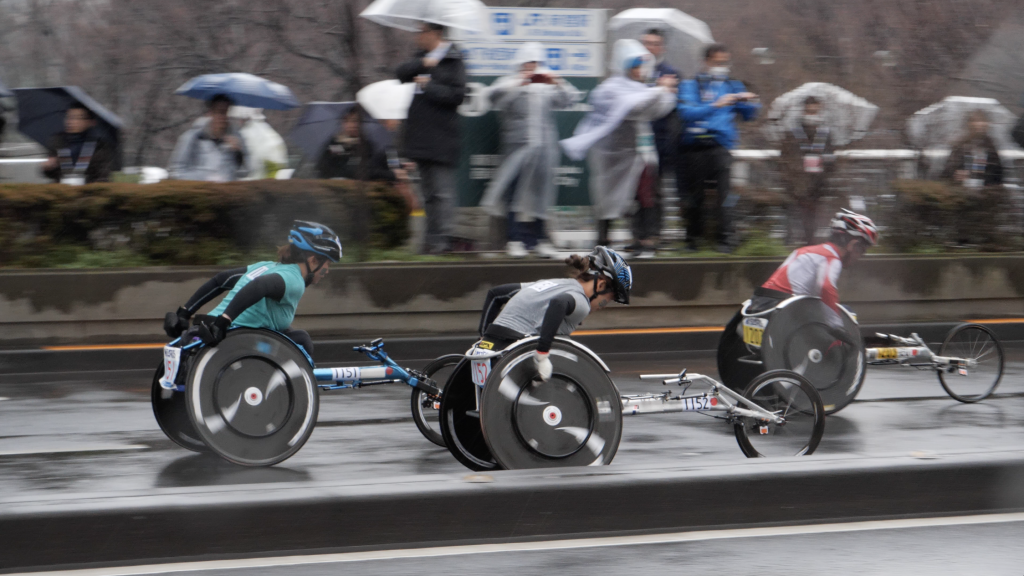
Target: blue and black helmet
315, 238
611, 265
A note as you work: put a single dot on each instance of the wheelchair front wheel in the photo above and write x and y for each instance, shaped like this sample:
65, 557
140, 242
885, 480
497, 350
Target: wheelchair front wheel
795, 399
426, 410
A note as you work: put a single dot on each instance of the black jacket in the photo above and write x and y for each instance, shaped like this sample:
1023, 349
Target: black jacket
432, 129
65, 148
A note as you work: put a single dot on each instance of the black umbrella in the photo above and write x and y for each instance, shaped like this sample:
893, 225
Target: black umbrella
319, 123
41, 112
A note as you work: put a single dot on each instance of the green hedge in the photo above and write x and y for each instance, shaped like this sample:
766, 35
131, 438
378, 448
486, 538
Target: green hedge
187, 223
936, 216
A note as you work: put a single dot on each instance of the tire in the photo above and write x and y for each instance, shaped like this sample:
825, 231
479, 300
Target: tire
171, 415
460, 422
734, 373
426, 411
791, 393
572, 419
975, 342
800, 338
253, 398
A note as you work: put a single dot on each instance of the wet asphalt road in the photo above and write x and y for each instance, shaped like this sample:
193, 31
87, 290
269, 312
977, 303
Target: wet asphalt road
72, 435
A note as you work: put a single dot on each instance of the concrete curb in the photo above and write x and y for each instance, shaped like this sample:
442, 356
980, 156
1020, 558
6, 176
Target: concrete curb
221, 522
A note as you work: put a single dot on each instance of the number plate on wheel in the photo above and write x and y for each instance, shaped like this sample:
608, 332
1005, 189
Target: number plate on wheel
753, 330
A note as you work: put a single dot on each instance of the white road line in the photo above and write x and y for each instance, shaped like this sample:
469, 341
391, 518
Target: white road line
550, 545
81, 449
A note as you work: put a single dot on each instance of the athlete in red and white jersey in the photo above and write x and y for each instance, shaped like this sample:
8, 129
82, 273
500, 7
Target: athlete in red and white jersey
814, 270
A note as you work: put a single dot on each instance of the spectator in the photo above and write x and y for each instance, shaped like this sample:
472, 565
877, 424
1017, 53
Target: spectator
623, 160
808, 159
708, 108
974, 160
523, 188
79, 155
666, 130
350, 150
432, 129
212, 149
267, 151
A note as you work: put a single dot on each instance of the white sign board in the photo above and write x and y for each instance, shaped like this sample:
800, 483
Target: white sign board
539, 24
498, 58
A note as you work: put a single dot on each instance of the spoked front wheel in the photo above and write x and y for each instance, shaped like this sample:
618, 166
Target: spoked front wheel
791, 397
426, 410
978, 378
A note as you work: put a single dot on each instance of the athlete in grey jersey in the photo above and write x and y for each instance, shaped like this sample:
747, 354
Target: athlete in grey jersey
549, 308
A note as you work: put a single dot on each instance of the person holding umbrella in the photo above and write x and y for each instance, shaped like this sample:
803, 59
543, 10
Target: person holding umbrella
212, 149
354, 153
78, 155
432, 135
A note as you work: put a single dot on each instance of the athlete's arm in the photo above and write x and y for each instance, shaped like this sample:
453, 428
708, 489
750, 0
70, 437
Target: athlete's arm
558, 308
829, 290
266, 286
496, 298
213, 287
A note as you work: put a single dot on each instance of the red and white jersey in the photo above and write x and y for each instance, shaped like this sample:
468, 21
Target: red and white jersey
810, 271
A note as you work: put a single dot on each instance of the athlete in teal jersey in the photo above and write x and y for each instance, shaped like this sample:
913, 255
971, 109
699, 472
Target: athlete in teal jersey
264, 294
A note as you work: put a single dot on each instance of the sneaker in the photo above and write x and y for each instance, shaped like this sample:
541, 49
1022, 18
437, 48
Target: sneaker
545, 249
516, 250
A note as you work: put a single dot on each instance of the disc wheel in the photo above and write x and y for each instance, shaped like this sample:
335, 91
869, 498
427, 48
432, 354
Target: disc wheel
172, 415
253, 398
460, 421
572, 419
426, 409
792, 397
973, 382
800, 338
735, 373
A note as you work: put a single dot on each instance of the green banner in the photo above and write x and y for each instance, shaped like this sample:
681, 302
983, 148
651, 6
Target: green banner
481, 156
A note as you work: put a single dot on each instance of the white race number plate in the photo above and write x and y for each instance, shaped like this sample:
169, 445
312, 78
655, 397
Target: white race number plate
172, 359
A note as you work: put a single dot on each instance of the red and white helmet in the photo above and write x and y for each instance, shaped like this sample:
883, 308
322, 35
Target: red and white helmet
855, 225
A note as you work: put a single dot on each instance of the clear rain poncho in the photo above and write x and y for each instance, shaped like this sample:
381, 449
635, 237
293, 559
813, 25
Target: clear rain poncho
525, 181
616, 136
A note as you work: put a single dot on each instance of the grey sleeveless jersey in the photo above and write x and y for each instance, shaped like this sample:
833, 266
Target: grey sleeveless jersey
524, 313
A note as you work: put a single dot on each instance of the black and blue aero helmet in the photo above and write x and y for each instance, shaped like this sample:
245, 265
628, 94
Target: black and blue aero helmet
611, 265
315, 238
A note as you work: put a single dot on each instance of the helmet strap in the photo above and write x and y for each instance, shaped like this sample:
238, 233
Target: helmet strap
312, 273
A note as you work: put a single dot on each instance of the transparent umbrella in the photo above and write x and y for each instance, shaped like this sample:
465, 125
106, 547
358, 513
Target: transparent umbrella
847, 115
943, 123
685, 36
387, 99
409, 14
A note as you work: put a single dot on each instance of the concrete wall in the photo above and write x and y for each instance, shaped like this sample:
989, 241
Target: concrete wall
388, 299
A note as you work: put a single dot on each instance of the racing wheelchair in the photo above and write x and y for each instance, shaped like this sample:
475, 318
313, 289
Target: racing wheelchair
801, 334
496, 413
254, 398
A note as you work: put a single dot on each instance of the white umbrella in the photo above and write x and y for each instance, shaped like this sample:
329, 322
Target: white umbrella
410, 14
847, 115
685, 36
943, 123
387, 99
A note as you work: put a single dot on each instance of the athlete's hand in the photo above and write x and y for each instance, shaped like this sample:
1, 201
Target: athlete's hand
213, 329
543, 364
176, 322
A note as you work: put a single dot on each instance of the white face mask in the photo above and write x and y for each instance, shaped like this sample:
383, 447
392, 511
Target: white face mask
719, 72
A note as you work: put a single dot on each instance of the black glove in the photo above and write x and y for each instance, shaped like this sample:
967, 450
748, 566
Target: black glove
212, 329
176, 322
